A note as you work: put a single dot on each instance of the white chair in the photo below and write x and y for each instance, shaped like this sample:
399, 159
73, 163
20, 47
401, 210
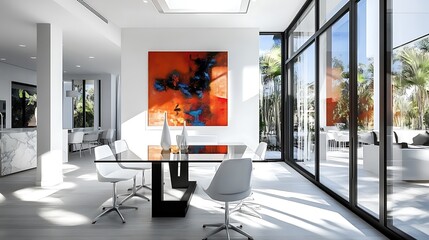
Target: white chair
113, 173
107, 136
260, 155
261, 150
122, 146
230, 183
75, 139
91, 139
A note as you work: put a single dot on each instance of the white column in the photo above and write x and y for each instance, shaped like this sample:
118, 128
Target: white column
49, 105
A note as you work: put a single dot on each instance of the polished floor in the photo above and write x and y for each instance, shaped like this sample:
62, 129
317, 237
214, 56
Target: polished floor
291, 208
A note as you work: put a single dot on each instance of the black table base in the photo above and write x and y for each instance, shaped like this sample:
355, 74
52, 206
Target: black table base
172, 208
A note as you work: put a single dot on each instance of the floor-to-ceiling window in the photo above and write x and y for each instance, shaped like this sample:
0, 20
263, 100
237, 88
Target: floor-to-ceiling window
408, 146
334, 117
304, 108
368, 140
83, 103
301, 69
270, 94
368, 106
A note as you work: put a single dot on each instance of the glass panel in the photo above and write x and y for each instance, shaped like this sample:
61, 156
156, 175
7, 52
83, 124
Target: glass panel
368, 106
78, 105
408, 139
24, 105
328, 8
334, 107
89, 103
304, 109
302, 30
270, 64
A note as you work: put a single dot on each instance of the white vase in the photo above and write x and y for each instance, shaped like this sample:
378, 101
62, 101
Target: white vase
165, 135
184, 135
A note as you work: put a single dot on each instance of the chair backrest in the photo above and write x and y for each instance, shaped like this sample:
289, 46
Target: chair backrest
90, 136
121, 146
103, 169
110, 133
103, 134
232, 180
261, 150
76, 137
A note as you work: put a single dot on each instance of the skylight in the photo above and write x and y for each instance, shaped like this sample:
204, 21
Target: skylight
202, 6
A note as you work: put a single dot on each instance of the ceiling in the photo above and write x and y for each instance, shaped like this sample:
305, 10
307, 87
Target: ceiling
85, 35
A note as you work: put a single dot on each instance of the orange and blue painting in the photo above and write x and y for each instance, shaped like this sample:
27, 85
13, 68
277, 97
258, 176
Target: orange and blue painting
191, 87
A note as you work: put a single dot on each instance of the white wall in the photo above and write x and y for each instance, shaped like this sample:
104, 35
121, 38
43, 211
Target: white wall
9, 74
243, 81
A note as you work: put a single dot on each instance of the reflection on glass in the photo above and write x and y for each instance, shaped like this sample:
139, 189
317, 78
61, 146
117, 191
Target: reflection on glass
408, 138
89, 103
328, 8
24, 105
304, 109
302, 30
83, 111
367, 86
334, 107
78, 105
270, 93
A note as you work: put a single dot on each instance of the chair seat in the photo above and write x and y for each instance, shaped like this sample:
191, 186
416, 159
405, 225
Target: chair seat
120, 175
139, 166
229, 197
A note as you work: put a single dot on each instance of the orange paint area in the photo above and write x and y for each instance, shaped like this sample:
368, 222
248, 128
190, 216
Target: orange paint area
189, 86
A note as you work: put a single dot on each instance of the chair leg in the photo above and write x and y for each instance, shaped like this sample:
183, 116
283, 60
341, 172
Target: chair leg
115, 207
133, 193
227, 225
143, 185
80, 150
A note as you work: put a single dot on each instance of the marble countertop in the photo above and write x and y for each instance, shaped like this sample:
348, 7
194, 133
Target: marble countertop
17, 130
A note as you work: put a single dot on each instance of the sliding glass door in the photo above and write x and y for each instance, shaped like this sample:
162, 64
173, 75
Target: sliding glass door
334, 112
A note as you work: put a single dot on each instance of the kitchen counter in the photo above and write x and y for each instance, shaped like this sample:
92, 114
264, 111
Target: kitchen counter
18, 150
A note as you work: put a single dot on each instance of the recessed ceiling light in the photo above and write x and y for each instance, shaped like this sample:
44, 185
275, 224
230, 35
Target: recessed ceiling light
202, 6
2, 59
33, 57
78, 66
22, 45
91, 57
145, 1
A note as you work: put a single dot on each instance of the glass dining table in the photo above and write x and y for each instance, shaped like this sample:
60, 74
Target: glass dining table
178, 161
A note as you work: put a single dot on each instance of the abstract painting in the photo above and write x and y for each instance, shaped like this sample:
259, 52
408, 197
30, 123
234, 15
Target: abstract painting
191, 87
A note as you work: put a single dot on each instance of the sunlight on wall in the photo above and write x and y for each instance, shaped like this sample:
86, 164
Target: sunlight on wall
62, 217
49, 168
250, 85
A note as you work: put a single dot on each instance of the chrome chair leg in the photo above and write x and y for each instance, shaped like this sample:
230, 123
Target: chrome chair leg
227, 225
252, 211
115, 207
133, 193
143, 185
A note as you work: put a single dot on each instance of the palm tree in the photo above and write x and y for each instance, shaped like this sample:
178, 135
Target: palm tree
415, 74
270, 66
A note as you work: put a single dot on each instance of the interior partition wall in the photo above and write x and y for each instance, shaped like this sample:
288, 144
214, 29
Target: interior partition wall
356, 108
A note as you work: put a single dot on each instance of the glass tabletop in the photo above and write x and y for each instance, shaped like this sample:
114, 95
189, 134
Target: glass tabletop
193, 153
